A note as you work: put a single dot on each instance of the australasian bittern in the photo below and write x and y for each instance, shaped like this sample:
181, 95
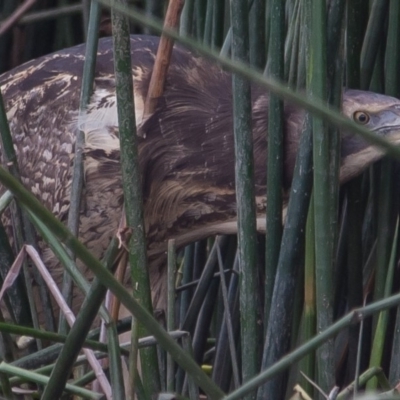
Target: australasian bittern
186, 147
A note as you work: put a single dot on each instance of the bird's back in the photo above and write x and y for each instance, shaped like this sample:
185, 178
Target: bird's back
186, 147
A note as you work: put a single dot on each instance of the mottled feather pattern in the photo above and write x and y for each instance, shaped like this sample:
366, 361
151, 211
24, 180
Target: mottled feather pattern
183, 189
186, 146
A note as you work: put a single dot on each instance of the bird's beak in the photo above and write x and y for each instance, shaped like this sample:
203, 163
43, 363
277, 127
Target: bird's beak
387, 122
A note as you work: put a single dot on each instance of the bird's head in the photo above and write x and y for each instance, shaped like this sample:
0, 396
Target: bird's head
378, 113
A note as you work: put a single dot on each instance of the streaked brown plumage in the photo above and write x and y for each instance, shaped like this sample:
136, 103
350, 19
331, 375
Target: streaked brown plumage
186, 146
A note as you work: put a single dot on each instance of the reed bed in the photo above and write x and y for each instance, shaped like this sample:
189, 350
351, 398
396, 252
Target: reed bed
310, 310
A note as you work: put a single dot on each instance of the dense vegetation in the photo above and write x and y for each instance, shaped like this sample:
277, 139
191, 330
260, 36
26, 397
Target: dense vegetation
291, 322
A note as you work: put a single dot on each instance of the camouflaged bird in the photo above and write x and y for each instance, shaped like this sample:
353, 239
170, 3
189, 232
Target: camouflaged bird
186, 147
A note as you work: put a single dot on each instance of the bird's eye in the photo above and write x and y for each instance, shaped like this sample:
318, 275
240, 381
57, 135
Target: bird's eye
361, 117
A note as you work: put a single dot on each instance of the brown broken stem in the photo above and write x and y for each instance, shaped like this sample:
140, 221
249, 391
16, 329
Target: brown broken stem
163, 58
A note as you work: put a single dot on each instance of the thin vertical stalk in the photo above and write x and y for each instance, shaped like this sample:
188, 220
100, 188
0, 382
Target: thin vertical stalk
307, 364
117, 381
86, 92
204, 319
335, 69
301, 73
335, 33
292, 38
359, 354
187, 277
132, 187
227, 315
354, 266
218, 25
355, 32
275, 155
171, 310
200, 12
294, 65
354, 37
377, 83
385, 227
86, 5
192, 387
392, 62
153, 9
186, 24
257, 30
383, 318
222, 368
323, 234
208, 23
279, 323
372, 39
77, 170
244, 177
134, 365
64, 35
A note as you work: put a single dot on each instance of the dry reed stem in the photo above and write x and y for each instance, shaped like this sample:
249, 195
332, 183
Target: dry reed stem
69, 315
163, 58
